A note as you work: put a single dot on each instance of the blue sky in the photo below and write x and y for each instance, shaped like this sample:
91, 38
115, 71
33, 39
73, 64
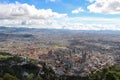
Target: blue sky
68, 14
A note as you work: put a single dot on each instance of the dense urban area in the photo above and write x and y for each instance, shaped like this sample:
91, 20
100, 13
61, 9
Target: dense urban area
51, 54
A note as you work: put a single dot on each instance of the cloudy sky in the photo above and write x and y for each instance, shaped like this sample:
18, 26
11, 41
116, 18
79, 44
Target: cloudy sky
61, 14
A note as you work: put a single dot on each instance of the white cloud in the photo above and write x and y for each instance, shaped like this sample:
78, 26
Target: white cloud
91, 1
52, 0
105, 6
78, 10
72, 23
91, 23
81, 26
24, 15
25, 11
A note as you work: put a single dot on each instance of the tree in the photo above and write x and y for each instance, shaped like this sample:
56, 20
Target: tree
1, 78
38, 78
111, 76
9, 77
30, 76
111, 73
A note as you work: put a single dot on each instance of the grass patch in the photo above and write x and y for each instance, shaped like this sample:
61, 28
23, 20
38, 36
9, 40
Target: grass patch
5, 56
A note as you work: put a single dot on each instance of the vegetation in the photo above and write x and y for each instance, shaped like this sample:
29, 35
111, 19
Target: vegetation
111, 73
5, 56
9, 77
17, 68
12, 68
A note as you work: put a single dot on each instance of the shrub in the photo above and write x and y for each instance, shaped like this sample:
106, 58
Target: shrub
9, 77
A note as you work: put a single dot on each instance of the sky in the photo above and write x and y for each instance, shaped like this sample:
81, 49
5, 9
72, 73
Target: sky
61, 14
